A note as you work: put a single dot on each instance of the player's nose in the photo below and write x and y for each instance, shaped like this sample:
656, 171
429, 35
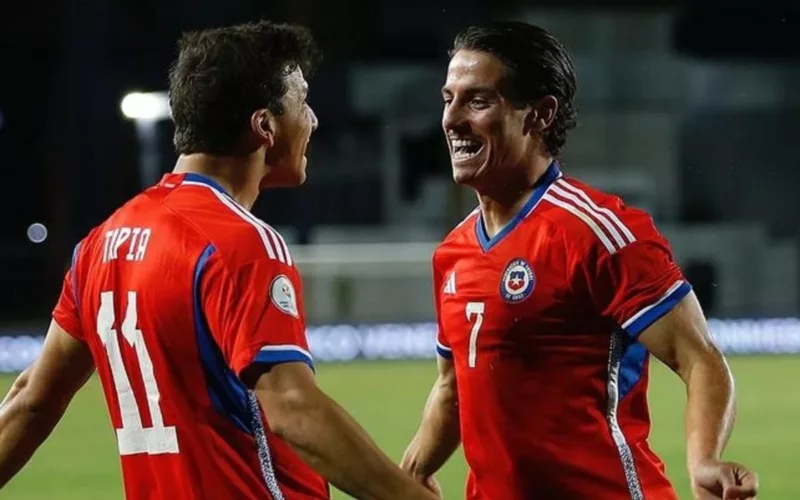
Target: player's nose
313, 117
453, 119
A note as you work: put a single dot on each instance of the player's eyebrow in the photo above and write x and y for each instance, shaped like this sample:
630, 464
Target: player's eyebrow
472, 90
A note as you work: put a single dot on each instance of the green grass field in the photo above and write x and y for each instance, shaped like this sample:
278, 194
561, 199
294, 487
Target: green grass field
79, 461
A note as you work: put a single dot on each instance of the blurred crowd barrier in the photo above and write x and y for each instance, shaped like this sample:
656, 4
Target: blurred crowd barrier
374, 300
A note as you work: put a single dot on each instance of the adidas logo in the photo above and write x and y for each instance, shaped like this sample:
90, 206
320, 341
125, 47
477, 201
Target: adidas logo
450, 286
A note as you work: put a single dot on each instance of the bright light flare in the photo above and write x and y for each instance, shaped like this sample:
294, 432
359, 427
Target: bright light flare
146, 106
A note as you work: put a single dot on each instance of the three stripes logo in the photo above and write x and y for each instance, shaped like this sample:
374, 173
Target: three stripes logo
450, 285
605, 224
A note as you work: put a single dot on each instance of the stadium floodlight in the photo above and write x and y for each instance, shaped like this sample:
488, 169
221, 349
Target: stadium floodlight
146, 109
145, 106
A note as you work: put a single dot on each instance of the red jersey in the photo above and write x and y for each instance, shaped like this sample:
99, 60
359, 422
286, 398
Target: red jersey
176, 294
541, 323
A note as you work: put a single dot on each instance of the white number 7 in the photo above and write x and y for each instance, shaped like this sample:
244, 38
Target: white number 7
476, 308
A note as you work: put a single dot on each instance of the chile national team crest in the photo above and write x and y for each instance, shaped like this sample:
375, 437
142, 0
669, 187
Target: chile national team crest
518, 281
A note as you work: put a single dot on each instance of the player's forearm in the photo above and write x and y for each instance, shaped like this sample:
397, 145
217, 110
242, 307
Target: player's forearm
23, 428
439, 433
710, 409
342, 452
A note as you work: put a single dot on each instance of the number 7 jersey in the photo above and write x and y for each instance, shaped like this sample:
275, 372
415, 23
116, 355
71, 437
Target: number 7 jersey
541, 323
176, 294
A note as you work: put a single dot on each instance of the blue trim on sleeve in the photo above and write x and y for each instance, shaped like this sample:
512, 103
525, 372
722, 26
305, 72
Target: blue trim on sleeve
631, 367
661, 308
276, 357
74, 276
227, 393
444, 352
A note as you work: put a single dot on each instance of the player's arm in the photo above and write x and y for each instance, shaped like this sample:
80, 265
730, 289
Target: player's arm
327, 438
258, 308
681, 340
39, 397
640, 286
439, 433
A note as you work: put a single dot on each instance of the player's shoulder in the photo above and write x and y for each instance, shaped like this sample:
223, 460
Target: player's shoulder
459, 235
590, 217
230, 231
96, 237
239, 237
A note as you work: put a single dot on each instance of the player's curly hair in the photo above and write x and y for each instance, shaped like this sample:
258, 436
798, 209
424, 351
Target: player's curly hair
538, 65
223, 75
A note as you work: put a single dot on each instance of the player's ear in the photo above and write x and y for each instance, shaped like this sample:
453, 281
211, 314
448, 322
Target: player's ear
541, 114
262, 124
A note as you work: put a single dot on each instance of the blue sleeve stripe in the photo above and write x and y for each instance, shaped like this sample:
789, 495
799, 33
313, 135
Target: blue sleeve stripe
444, 351
650, 314
277, 356
74, 274
226, 392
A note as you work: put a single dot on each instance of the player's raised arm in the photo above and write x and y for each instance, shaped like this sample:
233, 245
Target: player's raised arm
681, 340
328, 438
39, 397
439, 432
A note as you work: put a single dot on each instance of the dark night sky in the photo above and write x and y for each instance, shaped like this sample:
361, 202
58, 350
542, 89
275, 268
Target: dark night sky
69, 157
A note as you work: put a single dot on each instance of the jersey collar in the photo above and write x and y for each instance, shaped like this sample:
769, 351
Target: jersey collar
208, 181
551, 175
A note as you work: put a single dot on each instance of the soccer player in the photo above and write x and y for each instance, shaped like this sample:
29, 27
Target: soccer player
550, 298
190, 308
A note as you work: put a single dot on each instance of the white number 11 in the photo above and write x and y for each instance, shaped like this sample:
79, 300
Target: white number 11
477, 309
133, 438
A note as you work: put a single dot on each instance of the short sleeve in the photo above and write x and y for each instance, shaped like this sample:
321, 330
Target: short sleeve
442, 345
257, 312
66, 312
637, 284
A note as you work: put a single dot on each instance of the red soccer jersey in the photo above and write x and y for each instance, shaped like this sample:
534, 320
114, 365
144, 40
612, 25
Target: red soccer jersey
176, 294
541, 322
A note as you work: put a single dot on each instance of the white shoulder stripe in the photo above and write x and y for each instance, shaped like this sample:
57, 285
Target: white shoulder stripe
611, 215
276, 242
281, 248
585, 218
284, 245
241, 212
596, 215
280, 243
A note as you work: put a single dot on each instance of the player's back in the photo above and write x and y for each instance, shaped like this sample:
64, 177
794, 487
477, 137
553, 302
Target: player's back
186, 426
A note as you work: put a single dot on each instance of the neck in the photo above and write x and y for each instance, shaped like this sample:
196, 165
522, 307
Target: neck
500, 204
240, 176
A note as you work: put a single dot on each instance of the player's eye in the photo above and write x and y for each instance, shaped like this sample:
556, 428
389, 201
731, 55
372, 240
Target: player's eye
479, 103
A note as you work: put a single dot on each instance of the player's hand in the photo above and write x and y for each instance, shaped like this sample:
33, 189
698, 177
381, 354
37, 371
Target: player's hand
432, 484
714, 480
428, 482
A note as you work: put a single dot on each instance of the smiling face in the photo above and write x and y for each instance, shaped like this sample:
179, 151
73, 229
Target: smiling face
487, 134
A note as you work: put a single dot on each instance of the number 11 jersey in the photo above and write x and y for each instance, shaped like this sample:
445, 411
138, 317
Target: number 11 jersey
177, 294
541, 322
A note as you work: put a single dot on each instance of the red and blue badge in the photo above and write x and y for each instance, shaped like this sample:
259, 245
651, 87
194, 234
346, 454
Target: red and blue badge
518, 281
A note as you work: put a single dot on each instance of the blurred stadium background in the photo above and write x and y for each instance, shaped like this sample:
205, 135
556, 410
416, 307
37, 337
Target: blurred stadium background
689, 111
